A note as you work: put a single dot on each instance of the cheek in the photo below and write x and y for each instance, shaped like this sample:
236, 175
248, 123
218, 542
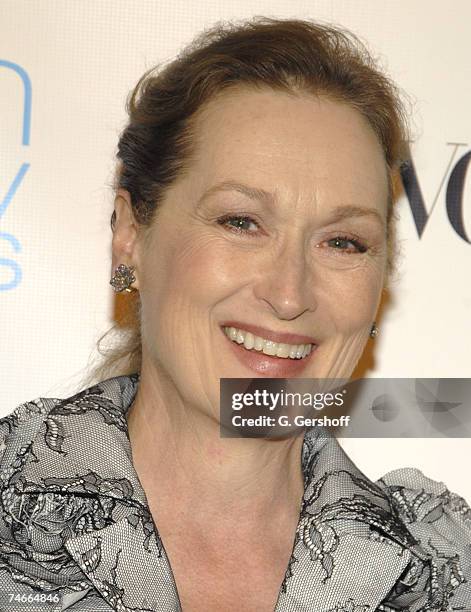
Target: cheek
187, 272
353, 298
205, 268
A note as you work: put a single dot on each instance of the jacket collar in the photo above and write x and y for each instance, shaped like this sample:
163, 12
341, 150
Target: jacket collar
349, 551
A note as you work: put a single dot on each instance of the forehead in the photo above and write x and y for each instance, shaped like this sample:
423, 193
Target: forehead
302, 147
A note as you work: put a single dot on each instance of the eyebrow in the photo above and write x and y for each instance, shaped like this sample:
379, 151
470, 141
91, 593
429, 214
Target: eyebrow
254, 193
344, 212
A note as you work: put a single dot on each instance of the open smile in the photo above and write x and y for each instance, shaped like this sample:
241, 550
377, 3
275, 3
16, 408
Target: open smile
266, 357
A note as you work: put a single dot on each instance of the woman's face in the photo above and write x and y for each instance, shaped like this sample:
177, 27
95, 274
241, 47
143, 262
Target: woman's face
277, 227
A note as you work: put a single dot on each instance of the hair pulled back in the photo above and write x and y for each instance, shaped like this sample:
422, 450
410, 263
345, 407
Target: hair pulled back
292, 56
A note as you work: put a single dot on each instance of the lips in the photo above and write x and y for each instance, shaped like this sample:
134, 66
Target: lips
263, 365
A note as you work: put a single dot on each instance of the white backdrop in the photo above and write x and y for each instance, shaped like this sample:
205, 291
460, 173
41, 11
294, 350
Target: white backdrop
65, 71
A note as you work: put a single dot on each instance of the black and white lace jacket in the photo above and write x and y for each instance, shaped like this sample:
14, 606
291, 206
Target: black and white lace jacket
75, 522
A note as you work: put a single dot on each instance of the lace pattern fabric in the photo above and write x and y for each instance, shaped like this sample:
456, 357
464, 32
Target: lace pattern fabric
75, 521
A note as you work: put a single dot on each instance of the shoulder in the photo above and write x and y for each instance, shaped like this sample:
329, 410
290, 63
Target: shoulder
51, 418
62, 463
20, 427
422, 500
440, 522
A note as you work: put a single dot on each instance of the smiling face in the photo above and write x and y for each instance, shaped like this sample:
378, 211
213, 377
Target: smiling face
277, 227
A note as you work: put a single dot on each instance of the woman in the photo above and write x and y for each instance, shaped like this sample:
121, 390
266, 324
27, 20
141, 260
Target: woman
252, 231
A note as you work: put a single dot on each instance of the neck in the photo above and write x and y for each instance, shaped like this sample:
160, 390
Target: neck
184, 464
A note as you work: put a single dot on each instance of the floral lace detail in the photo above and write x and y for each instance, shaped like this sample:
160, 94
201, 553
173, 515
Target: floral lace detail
75, 520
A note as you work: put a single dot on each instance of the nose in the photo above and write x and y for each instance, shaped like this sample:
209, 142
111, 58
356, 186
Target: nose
286, 283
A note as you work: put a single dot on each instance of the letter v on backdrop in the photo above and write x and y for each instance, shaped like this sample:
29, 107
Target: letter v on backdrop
455, 177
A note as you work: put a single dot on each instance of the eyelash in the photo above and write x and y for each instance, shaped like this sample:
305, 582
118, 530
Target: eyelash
359, 246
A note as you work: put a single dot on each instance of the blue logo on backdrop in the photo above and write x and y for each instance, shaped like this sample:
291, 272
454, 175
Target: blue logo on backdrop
6, 200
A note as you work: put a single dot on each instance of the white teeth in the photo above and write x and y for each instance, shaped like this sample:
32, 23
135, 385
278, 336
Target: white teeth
249, 340
268, 347
259, 342
283, 350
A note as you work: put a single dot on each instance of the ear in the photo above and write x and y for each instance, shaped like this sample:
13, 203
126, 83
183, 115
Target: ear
125, 235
